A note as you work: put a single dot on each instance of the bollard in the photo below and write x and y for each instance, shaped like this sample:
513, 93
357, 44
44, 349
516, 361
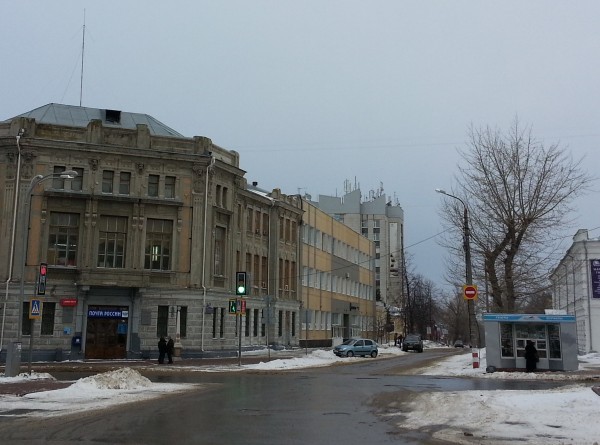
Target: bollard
475, 359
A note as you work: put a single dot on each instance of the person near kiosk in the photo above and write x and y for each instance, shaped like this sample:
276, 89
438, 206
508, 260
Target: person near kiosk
531, 356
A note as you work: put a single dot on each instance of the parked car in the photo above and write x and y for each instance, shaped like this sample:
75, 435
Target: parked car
412, 341
459, 344
357, 346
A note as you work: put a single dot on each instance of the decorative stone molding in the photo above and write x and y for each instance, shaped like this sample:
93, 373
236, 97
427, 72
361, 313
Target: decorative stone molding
140, 167
93, 164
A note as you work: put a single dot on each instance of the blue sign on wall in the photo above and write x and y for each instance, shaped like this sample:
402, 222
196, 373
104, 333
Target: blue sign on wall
595, 269
529, 318
107, 312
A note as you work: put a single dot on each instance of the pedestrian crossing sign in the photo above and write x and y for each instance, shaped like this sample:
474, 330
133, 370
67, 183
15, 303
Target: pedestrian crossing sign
35, 309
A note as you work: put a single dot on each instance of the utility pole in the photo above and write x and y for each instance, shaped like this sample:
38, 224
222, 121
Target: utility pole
473, 337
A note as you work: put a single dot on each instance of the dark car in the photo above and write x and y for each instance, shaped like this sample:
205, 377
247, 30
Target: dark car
414, 342
356, 346
459, 344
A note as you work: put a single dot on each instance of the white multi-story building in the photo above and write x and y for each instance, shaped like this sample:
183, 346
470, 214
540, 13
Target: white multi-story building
382, 221
576, 289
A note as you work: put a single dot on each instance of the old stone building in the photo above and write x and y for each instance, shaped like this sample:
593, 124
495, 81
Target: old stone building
143, 242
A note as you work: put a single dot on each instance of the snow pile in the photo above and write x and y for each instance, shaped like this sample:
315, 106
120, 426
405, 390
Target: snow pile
124, 378
316, 358
23, 377
556, 416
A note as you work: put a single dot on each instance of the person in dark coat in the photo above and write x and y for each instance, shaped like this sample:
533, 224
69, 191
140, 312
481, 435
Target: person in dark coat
170, 349
162, 350
531, 356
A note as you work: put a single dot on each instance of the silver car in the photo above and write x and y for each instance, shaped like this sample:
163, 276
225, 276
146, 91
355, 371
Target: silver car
356, 346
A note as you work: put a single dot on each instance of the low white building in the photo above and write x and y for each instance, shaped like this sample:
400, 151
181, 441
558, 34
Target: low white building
576, 289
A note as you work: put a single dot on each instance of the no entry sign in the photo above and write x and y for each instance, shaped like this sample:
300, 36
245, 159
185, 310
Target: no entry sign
470, 292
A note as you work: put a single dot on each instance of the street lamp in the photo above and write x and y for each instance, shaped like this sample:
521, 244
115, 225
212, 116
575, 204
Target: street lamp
35, 181
468, 265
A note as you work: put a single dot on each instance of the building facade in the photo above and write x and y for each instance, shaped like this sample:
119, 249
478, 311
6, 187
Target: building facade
338, 280
576, 289
143, 242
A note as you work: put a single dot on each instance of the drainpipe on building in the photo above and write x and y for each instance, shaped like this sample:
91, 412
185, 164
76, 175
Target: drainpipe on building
13, 234
204, 236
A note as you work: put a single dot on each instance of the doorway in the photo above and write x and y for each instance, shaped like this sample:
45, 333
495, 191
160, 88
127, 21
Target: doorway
106, 333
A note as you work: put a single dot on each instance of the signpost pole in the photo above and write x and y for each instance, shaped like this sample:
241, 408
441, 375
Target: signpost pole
239, 311
31, 323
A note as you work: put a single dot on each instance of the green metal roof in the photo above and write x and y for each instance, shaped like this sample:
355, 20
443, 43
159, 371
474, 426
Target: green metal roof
74, 116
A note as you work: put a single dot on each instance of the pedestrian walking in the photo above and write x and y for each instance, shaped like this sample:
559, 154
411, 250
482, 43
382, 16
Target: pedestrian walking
531, 356
170, 349
162, 350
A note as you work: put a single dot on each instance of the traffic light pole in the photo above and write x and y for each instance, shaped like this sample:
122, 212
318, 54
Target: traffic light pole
239, 317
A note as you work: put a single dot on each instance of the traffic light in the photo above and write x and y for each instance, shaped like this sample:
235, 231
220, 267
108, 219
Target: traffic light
241, 283
41, 287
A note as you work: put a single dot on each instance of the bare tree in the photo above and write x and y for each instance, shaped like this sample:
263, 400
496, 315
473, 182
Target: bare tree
518, 194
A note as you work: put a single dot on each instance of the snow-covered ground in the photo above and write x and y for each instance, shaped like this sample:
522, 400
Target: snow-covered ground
562, 416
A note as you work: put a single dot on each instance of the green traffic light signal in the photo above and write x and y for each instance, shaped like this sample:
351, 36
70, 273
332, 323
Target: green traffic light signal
241, 287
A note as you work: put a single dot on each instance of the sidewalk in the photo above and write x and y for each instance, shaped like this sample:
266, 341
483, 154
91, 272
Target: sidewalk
22, 387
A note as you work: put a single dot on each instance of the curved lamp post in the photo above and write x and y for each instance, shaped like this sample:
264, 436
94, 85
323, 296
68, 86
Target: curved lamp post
468, 266
35, 181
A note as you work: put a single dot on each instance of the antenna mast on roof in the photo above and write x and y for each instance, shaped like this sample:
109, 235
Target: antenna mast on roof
82, 57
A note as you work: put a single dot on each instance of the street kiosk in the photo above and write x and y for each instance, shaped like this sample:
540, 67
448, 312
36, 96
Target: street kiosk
554, 336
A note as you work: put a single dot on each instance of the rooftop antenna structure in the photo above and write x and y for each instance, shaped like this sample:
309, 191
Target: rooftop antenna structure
82, 57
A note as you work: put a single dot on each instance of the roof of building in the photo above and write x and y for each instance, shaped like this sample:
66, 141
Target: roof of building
74, 116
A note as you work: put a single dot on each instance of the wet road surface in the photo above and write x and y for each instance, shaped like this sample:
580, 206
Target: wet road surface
345, 404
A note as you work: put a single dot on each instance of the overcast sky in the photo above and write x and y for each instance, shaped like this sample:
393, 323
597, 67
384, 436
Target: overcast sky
314, 93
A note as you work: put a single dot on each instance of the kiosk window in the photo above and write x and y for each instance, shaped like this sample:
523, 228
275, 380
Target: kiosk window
554, 340
506, 340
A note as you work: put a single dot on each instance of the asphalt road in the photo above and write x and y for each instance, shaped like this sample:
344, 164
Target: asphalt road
343, 404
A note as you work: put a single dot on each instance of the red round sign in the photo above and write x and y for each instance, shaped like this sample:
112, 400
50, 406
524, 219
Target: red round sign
470, 292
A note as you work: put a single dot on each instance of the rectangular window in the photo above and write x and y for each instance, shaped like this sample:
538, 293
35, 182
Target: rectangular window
112, 239
214, 322
219, 253
124, 183
222, 323
162, 321
183, 321
25, 321
255, 321
507, 340
153, 185
249, 220
554, 339
293, 324
280, 323
170, 187
48, 310
107, 181
57, 182
255, 272
63, 234
257, 222
77, 181
247, 327
159, 233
